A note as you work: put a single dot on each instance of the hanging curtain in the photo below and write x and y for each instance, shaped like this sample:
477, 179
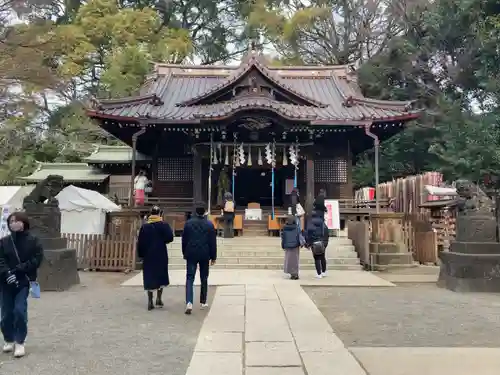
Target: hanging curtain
249, 156
285, 158
259, 158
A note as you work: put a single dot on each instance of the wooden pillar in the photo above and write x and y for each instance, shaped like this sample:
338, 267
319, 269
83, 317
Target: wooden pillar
197, 177
309, 183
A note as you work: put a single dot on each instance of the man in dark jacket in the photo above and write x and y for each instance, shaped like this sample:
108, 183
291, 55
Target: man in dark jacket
199, 248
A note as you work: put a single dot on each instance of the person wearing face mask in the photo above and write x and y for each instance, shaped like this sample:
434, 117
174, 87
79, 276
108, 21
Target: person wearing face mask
21, 254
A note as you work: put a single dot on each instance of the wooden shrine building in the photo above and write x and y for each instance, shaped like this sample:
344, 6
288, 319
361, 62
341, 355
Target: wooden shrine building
210, 128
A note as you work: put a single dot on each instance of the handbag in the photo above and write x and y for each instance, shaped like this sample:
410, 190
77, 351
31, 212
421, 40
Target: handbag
34, 285
318, 247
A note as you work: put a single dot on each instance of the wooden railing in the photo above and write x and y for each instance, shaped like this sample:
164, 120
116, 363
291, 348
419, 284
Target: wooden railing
418, 235
103, 252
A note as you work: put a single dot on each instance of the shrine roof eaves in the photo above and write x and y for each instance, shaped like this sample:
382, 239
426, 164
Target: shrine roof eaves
335, 86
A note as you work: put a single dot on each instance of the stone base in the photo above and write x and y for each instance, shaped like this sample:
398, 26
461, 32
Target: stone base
462, 272
387, 247
389, 259
59, 270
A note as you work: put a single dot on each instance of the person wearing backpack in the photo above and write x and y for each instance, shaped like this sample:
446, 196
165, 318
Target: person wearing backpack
228, 215
290, 242
317, 241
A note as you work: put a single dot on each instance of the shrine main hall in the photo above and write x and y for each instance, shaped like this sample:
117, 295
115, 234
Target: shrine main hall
255, 130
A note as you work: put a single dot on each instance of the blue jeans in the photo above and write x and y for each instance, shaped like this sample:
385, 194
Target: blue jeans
191, 267
14, 313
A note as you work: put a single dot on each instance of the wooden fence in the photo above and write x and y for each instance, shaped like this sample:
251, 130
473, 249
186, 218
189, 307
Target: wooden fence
103, 252
419, 237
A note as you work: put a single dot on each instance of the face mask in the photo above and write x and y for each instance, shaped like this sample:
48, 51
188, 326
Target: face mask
16, 226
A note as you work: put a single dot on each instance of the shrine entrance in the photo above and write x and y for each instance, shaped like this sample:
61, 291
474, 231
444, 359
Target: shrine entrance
254, 184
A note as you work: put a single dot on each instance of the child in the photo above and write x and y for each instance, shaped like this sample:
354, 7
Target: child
290, 242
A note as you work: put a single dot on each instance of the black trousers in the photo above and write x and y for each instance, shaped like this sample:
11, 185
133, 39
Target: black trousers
320, 263
228, 225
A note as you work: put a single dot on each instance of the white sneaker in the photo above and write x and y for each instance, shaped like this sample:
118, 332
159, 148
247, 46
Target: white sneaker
204, 306
323, 274
319, 276
189, 308
8, 347
20, 351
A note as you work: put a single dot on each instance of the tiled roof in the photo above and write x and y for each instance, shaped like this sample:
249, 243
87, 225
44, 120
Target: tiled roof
330, 95
71, 172
105, 154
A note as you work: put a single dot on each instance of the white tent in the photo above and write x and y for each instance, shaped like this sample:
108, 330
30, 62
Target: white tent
440, 191
12, 196
83, 211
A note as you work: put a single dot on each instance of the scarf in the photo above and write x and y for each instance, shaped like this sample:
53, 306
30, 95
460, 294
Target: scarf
154, 219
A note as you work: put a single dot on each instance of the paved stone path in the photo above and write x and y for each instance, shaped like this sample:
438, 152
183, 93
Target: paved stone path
275, 277
101, 328
268, 330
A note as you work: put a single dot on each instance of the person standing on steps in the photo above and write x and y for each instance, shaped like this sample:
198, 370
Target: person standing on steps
199, 249
290, 242
21, 254
317, 241
319, 203
228, 215
152, 242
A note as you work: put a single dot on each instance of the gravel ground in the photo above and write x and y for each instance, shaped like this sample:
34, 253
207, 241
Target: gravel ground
410, 316
102, 328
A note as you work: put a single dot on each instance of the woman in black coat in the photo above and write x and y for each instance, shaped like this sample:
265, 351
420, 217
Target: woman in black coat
21, 254
317, 238
152, 242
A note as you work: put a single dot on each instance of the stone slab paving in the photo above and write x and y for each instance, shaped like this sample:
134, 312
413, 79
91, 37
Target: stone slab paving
283, 333
429, 361
270, 277
100, 328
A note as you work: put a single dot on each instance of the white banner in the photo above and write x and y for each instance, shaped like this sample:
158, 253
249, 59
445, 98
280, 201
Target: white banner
332, 216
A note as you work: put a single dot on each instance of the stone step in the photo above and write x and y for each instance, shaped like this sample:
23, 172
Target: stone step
269, 260
264, 253
265, 241
330, 266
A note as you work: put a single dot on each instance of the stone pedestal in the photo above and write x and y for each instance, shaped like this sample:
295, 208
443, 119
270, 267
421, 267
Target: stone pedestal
58, 271
387, 245
473, 262
59, 267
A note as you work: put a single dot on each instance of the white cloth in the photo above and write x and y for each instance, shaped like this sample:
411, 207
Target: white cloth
140, 182
300, 210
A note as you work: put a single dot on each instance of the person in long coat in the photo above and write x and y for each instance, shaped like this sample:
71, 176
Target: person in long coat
290, 242
154, 236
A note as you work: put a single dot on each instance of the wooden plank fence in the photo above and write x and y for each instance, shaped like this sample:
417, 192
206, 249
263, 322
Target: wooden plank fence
103, 252
419, 237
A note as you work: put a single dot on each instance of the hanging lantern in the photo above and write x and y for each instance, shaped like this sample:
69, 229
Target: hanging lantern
249, 156
285, 158
226, 161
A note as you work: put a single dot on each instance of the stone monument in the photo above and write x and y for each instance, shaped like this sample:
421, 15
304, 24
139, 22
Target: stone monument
473, 262
59, 267
387, 245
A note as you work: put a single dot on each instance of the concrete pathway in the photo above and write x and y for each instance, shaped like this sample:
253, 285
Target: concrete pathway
268, 330
274, 277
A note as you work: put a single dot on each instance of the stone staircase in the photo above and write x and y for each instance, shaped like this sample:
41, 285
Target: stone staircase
263, 252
